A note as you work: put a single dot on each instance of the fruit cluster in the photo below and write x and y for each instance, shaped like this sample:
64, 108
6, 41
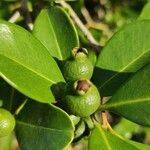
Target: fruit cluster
82, 98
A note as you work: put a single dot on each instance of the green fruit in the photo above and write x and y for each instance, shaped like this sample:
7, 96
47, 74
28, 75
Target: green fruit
84, 101
7, 122
78, 66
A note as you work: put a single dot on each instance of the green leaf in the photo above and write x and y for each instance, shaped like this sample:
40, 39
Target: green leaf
140, 146
54, 29
26, 64
126, 128
42, 126
103, 139
145, 14
132, 100
124, 54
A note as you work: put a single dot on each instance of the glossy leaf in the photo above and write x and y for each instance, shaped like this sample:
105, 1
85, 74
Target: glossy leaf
103, 139
55, 30
132, 100
140, 146
26, 64
145, 14
127, 128
42, 126
124, 54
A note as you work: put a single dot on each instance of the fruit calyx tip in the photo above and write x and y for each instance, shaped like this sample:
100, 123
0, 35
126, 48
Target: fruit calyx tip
79, 51
82, 86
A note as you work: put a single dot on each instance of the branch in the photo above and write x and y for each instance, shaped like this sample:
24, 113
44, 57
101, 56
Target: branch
104, 120
82, 27
97, 25
14, 17
24, 10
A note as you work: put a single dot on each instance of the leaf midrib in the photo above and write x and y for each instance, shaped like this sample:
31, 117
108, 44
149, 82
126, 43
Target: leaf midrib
55, 37
45, 128
37, 73
126, 67
105, 138
124, 102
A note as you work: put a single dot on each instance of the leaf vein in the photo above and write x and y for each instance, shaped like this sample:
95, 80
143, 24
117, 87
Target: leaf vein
39, 74
57, 44
45, 128
128, 102
105, 139
124, 68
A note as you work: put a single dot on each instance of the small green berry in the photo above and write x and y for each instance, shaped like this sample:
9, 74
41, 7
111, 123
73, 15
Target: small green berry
7, 122
84, 101
78, 66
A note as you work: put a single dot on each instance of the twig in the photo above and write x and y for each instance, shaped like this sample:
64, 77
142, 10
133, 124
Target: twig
97, 25
82, 27
106, 125
14, 17
20, 107
25, 11
104, 120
